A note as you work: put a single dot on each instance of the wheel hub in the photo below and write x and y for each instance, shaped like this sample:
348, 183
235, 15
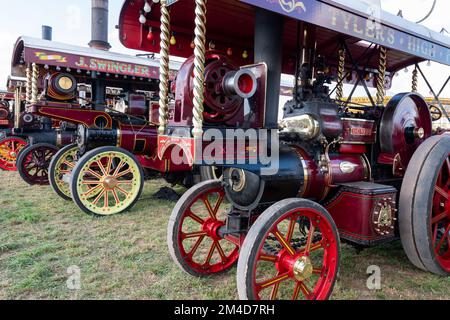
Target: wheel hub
110, 183
12, 154
211, 227
303, 268
300, 266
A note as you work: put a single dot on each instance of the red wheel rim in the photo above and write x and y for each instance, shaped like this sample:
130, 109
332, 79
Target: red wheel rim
201, 247
291, 268
440, 218
36, 163
9, 149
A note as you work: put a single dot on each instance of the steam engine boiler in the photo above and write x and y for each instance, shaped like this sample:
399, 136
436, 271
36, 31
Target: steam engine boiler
342, 158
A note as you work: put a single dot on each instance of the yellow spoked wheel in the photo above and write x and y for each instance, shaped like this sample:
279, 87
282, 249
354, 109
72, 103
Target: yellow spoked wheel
107, 181
60, 170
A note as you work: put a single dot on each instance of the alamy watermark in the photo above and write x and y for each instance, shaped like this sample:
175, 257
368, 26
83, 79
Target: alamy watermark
374, 280
241, 148
74, 278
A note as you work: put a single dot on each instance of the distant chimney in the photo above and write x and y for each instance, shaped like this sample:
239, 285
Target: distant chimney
47, 33
99, 18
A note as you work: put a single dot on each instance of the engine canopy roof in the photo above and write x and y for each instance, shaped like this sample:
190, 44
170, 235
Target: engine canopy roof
230, 25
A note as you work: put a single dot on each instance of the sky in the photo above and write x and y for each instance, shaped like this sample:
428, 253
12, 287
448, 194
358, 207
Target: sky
71, 24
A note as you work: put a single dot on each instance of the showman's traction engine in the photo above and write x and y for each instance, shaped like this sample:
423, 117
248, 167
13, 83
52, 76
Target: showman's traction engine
366, 174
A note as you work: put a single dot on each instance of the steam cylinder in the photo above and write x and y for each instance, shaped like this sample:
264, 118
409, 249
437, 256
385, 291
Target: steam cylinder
138, 140
299, 176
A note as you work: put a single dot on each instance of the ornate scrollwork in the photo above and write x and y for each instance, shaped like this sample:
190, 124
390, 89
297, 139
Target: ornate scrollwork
291, 5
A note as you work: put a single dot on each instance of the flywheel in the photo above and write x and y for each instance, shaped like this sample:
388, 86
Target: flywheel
405, 125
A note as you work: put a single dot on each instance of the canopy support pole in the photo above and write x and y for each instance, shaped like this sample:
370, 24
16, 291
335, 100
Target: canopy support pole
199, 67
34, 83
381, 80
164, 69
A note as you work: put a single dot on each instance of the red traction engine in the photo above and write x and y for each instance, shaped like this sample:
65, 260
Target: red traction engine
6, 121
329, 170
224, 106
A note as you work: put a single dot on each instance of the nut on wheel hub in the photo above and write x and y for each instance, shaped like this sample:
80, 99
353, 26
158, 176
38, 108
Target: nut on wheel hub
110, 183
303, 269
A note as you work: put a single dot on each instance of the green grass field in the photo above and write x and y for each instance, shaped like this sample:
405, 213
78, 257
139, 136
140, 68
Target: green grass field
126, 256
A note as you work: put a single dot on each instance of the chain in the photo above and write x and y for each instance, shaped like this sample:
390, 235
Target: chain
164, 68
199, 66
381, 91
415, 79
341, 70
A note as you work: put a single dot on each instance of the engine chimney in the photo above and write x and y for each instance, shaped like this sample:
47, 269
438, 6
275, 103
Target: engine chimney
100, 25
268, 49
47, 33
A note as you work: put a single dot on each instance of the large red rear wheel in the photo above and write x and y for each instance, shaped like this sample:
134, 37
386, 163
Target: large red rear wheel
9, 150
291, 253
33, 163
194, 240
424, 213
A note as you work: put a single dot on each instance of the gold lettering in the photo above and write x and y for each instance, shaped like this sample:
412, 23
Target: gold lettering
411, 44
370, 29
333, 17
424, 48
355, 26
391, 36
380, 34
93, 64
347, 19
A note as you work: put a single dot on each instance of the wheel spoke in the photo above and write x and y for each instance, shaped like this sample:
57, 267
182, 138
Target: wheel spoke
435, 233
123, 191
274, 293
209, 208
196, 218
125, 182
283, 242
191, 235
95, 174
312, 230
219, 202
101, 194
91, 191
273, 281
442, 242
120, 175
119, 167
88, 182
441, 192
296, 291
439, 217
317, 271
268, 258
109, 165
116, 197
69, 164
291, 230
210, 254
102, 168
196, 246
106, 199
305, 290
316, 246
222, 254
